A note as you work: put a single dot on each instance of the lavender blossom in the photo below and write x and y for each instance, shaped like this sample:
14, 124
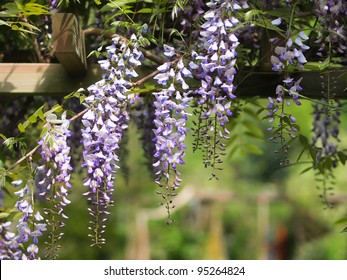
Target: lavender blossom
170, 118
332, 17
30, 227
285, 56
104, 122
9, 246
55, 185
214, 64
326, 131
191, 13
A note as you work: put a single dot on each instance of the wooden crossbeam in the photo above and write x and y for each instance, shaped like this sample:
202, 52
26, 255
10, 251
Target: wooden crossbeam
315, 84
68, 43
52, 79
46, 79
73, 72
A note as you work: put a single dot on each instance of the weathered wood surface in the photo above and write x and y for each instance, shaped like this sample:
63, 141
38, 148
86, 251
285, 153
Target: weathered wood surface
52, 79
68, 43
43, 79
315, 84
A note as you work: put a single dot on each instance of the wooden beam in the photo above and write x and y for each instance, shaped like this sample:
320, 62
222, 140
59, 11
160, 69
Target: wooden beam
52, 79
18, 79
314, 83
68, 43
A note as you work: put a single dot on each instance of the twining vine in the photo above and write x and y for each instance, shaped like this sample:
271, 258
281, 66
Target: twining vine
195, 51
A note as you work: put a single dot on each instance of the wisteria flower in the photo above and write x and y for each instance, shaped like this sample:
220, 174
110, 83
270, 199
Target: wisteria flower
56, 165
104, 122
215, 65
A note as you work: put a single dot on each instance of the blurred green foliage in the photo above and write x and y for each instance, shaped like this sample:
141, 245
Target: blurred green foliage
266, 201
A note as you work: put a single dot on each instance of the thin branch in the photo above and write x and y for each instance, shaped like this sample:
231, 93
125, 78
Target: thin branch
80, 114
28, 155
99, 32
144, 79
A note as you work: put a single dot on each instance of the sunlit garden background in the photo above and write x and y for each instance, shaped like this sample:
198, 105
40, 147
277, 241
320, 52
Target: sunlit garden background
255, 210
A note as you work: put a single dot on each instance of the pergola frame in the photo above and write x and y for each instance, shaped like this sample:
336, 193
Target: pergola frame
73, 72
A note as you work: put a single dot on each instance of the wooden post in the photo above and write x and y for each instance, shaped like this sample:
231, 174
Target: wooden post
68, 44
263, 222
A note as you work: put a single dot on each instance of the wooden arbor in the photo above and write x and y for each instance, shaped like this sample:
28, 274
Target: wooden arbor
73, 72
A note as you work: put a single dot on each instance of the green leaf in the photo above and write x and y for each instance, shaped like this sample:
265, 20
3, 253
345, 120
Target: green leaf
56, 108
76, 94
21, 127
306, 170
149, 86
2, 22
233, 151
32, 119
341, 221
342, 157
303, 140
31, 9
253, 129
251, 14
253, 149
29, 26
15, 27
279, 12
44, 132
11, 10
325, 63
260, 111
2, 178
145, 11
116, 5
4, 215
312, 66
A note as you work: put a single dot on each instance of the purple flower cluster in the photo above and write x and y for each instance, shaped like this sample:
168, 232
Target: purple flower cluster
283, 60
291, 55
190, 15
9, 247
332, 15
56, 166
55, 163
104, 122
214, 64
170, 118
30, 224
326, 130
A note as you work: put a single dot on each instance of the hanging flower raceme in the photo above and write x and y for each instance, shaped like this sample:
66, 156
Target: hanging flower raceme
214, 64
170, 117
9, 247
191, 13
291, 55
104, 122
30, 226
55, 186
332, 16
326, 123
